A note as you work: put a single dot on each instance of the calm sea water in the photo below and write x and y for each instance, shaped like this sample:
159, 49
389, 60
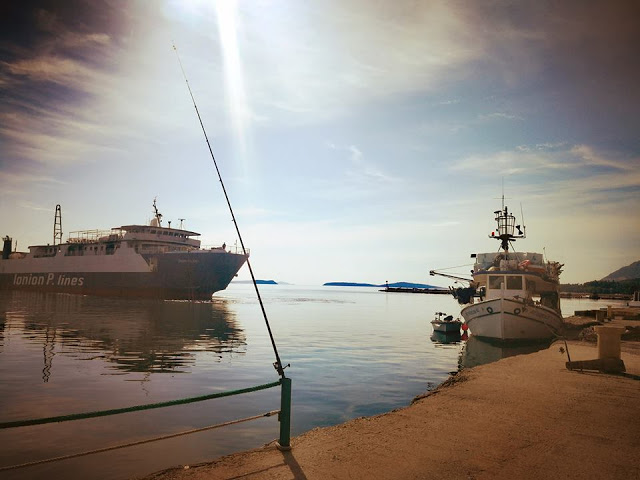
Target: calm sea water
353, 352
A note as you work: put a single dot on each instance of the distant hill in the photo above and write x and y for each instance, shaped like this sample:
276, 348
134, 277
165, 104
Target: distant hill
625, 273
625, 280
259, 282
411, 285
396, 285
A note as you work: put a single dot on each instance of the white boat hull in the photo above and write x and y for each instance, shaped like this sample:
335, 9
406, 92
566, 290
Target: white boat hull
511, 320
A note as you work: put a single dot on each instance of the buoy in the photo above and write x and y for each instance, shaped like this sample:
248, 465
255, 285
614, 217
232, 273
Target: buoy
465, 327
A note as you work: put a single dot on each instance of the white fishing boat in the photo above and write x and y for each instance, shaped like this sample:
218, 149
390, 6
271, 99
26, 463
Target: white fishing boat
512, 296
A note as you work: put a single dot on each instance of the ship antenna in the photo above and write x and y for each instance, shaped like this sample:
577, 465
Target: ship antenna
57, 226
181, 220
278, 364
524, 226
157, 214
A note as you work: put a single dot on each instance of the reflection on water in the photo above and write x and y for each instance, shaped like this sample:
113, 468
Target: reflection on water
480, 351
130, 335
353, 352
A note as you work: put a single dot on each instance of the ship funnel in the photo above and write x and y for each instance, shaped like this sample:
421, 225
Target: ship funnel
6, 248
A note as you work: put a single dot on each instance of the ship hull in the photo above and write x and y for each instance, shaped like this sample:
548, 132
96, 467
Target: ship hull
176, 275
507, 319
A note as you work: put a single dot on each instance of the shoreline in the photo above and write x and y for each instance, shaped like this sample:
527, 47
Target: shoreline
525, 416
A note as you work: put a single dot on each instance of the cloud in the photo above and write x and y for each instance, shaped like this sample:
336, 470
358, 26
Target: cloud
580, 178
16, 183
499, 116
324, 60
546, 158
364, 177
591, 157
55, 69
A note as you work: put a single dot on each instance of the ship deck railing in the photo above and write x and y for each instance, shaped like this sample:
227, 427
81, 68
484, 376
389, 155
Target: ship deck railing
93, 236
237, 249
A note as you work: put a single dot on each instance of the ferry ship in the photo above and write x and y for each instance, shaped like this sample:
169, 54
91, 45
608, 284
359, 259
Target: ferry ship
129, 261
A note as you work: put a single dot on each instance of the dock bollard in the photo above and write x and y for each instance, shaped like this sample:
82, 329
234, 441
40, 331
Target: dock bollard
608, 360
284, 443
609, 341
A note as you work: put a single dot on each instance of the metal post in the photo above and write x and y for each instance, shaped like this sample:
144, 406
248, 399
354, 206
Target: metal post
285, 415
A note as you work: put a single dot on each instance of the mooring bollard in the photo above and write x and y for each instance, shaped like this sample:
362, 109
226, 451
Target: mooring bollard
284, 443
608, 360
609, 341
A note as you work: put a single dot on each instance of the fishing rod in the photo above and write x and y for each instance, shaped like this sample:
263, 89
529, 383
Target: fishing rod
278, 364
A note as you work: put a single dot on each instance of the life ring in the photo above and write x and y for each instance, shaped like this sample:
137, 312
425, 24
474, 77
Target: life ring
516, 311
489, 309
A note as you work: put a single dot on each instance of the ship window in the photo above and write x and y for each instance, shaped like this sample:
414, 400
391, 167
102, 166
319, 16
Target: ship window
531, 286
495, 282
514, 282
152, 231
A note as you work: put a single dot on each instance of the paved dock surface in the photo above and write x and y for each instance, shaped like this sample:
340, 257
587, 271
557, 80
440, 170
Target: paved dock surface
523, 417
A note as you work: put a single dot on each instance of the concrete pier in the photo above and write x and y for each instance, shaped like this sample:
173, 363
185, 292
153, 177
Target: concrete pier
523, 417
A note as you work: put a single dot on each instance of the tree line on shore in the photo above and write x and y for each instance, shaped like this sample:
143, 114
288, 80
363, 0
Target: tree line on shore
600, 287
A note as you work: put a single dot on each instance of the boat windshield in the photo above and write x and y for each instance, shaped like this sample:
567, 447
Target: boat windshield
513, 282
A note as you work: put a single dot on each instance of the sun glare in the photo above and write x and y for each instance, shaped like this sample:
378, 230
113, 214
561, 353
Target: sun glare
227, 27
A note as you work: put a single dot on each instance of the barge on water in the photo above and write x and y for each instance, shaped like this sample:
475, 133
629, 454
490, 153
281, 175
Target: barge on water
129, 261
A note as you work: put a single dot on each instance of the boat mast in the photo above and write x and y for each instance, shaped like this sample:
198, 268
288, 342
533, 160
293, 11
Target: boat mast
57, 226
506, 228
157, 214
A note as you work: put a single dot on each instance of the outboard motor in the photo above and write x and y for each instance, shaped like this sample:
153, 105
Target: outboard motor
6, 249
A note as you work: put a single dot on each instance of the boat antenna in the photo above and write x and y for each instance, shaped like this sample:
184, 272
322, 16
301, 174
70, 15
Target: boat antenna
156, 213
181, 220
278, 364
57, 226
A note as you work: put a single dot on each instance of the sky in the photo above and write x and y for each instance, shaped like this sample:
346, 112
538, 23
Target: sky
358, 140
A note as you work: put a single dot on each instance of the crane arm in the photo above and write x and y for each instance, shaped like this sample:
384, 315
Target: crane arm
446, 275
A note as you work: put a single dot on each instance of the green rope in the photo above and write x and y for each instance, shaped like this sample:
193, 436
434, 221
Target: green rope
104, 413
139, 442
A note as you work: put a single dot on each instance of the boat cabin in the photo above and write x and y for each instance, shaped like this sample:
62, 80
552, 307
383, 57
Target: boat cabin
524, 277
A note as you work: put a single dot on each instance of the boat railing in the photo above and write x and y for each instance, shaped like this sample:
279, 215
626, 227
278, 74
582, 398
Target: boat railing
93, 236
237, 249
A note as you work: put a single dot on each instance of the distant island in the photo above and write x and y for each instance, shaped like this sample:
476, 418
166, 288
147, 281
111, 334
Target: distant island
259, 282
391, 285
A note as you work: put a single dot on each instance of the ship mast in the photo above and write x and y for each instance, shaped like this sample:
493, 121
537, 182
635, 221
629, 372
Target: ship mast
506, 228
57, 226
157, 214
